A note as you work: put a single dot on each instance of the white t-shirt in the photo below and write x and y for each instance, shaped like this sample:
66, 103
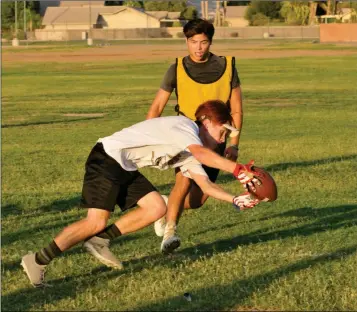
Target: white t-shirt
159, 143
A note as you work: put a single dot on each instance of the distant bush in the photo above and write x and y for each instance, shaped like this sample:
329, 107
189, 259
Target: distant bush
166, 35
259, 19
9, 35
180, 34
234, 34
176, 24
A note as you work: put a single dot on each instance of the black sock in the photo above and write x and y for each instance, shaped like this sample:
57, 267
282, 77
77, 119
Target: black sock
46, 255
110, 232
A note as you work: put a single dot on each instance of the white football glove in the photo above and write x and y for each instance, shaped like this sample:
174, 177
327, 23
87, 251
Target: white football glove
245, 175
245, 201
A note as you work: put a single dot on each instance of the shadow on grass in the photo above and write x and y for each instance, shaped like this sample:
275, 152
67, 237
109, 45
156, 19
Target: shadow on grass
225, 177
225, 296
330, 218
30, 233
235, 294
60, 205
284, 166
49, 122
330, 215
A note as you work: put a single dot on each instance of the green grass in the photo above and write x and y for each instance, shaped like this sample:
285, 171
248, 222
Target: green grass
298, 253
241, 44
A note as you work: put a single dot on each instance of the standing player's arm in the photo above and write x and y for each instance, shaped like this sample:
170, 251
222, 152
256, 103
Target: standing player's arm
210, 188
236, 112
158, 104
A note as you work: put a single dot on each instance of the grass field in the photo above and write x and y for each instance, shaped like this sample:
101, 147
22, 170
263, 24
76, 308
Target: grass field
298, 253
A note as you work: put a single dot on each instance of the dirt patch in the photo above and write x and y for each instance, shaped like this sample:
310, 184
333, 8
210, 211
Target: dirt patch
147, 52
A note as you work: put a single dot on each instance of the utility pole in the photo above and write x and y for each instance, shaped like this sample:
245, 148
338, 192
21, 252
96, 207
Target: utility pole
206, 10
15, 41
25, 26
90, 39
15, 19
224, 12
217, 19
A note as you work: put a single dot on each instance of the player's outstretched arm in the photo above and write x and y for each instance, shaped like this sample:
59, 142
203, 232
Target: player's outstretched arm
158, 104
211, 159
241, 202
210, 188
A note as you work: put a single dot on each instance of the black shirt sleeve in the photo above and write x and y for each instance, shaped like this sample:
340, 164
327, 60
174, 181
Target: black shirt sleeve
169, 81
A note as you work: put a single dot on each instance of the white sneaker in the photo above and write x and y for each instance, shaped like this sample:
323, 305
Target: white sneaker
159, 225
170, 241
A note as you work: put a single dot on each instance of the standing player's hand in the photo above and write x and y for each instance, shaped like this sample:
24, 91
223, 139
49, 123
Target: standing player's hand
245, 201
231, 152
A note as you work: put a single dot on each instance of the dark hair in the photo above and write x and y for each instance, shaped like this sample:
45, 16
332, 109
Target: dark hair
198, 26
215, 110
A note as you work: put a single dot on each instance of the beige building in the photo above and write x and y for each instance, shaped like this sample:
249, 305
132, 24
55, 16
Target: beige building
343, 16
235, 16
85, 17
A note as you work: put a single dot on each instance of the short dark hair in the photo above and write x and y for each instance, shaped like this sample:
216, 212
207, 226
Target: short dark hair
199, 26
215, 110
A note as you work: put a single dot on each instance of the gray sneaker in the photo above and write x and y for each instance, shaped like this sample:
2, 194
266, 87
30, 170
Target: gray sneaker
99, 248
171, 241
34, 271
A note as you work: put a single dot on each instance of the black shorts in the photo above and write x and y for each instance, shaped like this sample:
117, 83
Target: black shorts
213, 172
106, 183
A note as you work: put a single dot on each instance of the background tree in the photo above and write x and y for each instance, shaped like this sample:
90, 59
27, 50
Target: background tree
156, 5
270, 9
33, 19
189, 13
134, 4
295, 13
177, 6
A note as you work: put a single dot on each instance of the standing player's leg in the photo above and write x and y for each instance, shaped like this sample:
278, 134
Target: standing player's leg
184, 195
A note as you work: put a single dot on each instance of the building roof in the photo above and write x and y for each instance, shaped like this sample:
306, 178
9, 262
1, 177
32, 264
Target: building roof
236, 11
69, 3
160, 15
80, 14
77, 15
345, 11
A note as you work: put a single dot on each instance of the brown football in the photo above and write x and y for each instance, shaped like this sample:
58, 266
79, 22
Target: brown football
266, 189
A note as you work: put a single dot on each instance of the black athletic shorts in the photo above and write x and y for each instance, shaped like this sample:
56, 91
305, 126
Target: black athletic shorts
213, 172
106, 183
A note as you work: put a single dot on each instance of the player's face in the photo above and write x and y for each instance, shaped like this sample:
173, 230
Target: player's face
198, 47
215, 134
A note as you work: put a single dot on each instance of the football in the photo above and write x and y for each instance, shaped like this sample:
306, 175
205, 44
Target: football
265, 189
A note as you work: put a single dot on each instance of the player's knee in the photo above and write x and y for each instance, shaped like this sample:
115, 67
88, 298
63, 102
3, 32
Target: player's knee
95, 225
157, 211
